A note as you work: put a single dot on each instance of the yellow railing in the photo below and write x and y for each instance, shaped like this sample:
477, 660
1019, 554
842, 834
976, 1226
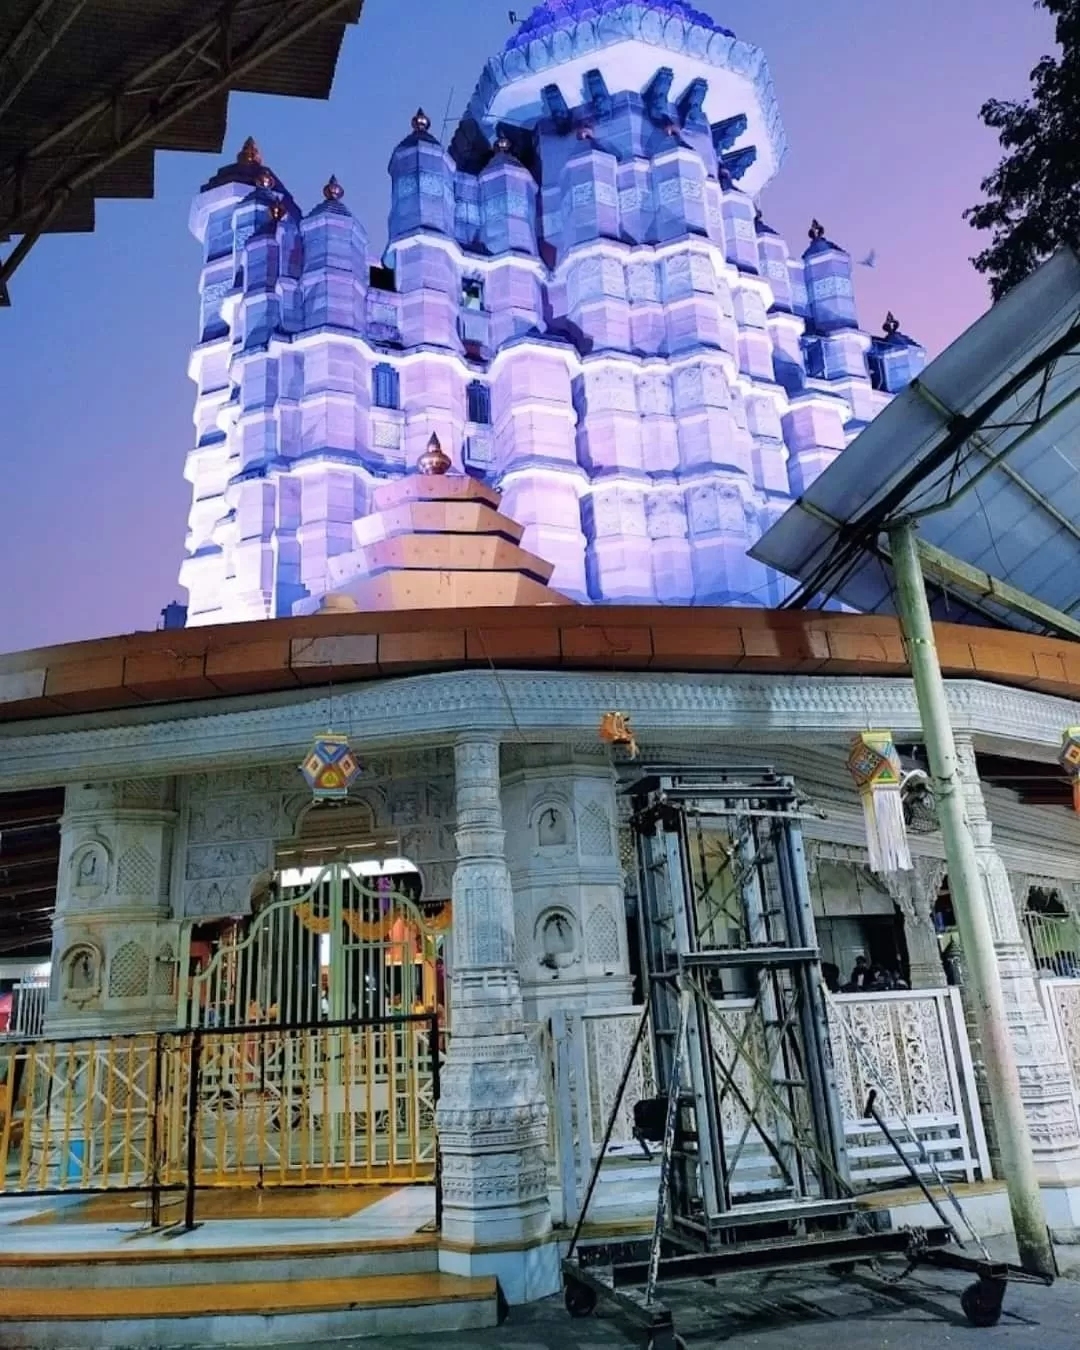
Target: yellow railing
260, 1106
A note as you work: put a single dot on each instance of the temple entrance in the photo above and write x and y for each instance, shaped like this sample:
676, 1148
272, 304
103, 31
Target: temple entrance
319, 1021
341, 941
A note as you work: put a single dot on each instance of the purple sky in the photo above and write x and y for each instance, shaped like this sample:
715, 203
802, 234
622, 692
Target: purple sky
880, 104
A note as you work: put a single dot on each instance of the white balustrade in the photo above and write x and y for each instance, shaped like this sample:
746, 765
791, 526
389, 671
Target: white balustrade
910, 1046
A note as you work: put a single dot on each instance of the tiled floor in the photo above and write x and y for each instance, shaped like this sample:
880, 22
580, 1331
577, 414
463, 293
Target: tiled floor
69, 1224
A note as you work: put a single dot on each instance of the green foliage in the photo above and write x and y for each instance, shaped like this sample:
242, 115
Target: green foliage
1032, 205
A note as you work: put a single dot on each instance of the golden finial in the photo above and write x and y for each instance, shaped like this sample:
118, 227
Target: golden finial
333, 191
434, 460
421, 122
891, 324
249, 152
277, 211
264, 179
502, 145
817, 230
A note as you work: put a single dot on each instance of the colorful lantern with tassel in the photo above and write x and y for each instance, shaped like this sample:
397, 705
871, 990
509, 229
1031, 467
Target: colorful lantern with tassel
330, 767
1069, 759
616, 730
875, 766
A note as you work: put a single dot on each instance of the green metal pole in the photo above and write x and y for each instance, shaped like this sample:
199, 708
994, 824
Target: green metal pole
972, 916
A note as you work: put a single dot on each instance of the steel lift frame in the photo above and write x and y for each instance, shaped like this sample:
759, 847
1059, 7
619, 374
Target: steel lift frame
736, 1009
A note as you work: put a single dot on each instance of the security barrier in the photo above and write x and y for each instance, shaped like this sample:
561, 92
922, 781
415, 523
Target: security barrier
260, 1106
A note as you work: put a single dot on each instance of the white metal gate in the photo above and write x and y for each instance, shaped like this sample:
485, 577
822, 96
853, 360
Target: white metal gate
332, 945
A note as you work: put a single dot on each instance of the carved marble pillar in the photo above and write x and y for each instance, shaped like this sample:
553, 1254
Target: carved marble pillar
1045, 1085
915, 893
492, 1116
115, 946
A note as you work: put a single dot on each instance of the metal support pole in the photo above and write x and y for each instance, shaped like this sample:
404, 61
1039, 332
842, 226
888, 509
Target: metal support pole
193, 1099
972, 915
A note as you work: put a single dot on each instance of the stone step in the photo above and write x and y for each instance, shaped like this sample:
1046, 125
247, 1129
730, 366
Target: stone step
251, 1312
182, 1264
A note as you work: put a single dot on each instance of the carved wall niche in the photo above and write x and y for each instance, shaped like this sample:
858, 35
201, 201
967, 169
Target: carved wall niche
550, 823
80, 974
89, 870
556, 940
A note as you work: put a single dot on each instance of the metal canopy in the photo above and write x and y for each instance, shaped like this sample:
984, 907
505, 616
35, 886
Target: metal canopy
90, 89
983, 450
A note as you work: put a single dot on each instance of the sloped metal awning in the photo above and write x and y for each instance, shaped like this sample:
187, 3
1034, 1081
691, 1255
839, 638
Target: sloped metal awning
983, 451
90, 89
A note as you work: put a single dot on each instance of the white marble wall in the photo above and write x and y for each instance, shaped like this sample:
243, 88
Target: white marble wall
562, 851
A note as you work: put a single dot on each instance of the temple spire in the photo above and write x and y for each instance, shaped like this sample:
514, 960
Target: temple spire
434, 460
249, 152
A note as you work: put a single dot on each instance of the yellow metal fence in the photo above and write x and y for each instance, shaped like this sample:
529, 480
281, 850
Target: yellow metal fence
260, 1106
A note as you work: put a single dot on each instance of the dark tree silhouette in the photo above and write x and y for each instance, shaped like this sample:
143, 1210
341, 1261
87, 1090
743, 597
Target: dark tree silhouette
1032, 205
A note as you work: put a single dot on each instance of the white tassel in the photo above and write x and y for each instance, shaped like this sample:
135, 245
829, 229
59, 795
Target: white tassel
886, 835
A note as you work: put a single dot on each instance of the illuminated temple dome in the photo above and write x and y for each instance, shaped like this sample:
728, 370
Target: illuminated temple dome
580, 298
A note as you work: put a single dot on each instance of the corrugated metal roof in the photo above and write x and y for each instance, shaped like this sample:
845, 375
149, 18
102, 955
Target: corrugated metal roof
80, 77
983, 449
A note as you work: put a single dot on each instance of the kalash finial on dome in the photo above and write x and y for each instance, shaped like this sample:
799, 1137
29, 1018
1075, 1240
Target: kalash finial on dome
249, 152
277, 211
502, 144
264, 179
816, 230
332, 190
421, 122
434, 460
891, 326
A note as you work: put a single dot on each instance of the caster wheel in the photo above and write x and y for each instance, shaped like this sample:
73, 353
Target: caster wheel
981, 1302
580, 1300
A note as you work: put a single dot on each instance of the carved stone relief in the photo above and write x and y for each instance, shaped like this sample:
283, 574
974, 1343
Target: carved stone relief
602, 936
163, 978
129, 971
596, 832
237, 820
135, 873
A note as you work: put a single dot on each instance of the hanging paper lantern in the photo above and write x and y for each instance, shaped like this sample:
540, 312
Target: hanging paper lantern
875, 766
1069, 759
616, 730
330, 767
